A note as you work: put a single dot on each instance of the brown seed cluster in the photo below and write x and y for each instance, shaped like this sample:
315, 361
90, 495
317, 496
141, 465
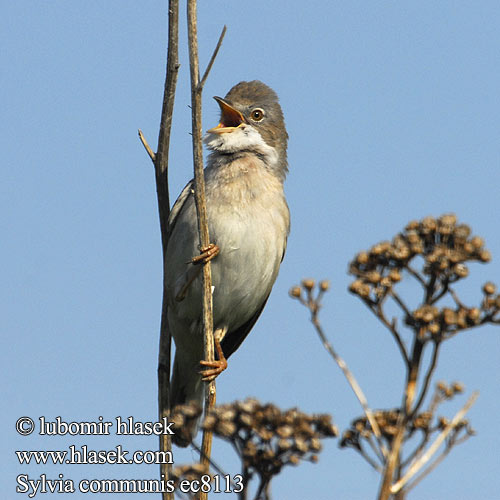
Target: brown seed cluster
444, 246
189, 472
446, 391
441, 323
387, 421
305, 290
267, 438
425, 422
491, 301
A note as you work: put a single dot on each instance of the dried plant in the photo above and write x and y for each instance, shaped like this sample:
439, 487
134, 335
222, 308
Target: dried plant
266, 438
434, 253
183, 476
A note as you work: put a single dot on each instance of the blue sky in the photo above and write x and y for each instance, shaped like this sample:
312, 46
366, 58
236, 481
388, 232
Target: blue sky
393, 114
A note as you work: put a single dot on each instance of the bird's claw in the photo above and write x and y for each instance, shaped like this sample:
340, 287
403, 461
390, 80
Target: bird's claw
206, 254
217, 367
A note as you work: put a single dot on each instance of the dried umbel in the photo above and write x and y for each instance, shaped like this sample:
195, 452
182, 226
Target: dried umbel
425, 422
267, 438
444, 246
310, 294
387, 421
190, 472
436, 253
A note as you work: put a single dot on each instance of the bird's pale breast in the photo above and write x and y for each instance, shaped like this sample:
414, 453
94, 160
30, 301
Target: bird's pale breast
249, 221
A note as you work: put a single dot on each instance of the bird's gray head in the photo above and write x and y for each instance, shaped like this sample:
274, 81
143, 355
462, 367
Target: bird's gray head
251, 122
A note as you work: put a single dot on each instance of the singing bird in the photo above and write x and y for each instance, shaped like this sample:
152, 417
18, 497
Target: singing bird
248, 222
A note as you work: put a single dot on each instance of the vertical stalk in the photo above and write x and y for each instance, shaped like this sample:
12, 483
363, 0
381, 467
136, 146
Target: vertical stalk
196, 92
161, 174
410, 391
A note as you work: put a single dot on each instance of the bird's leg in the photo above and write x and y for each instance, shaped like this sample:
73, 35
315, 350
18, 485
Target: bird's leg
217, 366
207, 254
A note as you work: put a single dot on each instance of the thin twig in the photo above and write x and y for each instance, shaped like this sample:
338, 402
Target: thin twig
416, 466
212, 59
434, 463
416, 275
214, 465
161, 174
351, 380
428, 376
442, 293
430, 289
417, 451
378, 311
455, 298
201, 210
146, 146
400, 302
367, 457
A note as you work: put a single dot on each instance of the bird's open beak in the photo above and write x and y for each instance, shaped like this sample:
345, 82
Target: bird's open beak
230, 120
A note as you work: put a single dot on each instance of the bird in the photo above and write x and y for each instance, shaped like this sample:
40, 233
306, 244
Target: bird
248, 223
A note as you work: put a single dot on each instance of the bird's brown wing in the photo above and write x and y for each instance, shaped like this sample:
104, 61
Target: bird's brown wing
178, 206
233, 339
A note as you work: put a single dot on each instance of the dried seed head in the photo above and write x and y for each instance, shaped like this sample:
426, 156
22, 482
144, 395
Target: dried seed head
300, 445
295, 292
441, 386
443, 422
225, 428
362, 258
434, 329
461, 270
462, 232
413, 237
484, 256
395, 275
477, 242
284, 445
308, 284
448, 219
489, 288
373, 277
429, 224
324, 285
315, 445
246, 419
474, 314
209, 422
414, 224
386, 282
449, 316
355, 286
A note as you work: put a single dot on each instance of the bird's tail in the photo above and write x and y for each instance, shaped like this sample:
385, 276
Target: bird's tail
186, 388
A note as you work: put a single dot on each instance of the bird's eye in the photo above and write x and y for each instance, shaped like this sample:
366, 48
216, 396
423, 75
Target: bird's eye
257, 114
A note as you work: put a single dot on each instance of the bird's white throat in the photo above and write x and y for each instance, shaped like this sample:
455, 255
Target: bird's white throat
242, 138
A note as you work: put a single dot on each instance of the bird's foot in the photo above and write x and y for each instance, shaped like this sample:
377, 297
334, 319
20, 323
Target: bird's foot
206, 254
217, 366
